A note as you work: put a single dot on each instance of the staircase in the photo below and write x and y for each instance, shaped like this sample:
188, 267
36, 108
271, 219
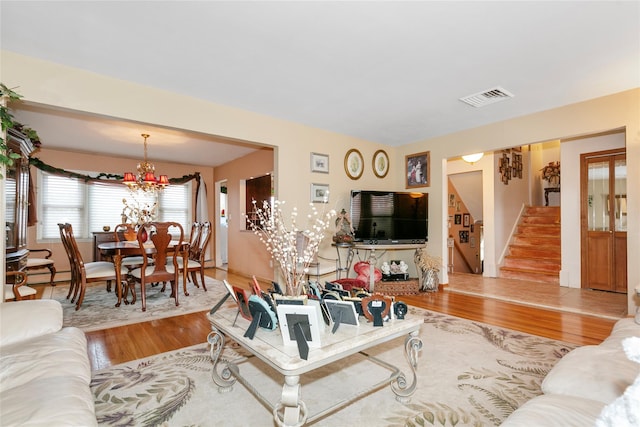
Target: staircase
534, 252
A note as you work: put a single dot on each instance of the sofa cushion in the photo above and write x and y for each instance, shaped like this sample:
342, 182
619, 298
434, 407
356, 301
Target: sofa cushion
51, 401
623, 328
63, 353
592, 372
22, 320
554, 410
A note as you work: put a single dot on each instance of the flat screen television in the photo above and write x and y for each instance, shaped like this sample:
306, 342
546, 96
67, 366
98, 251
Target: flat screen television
390, 217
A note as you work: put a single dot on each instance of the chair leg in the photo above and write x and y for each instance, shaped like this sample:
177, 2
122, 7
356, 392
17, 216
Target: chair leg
143, 294
83, 287
52, 269
202, 277
174, 287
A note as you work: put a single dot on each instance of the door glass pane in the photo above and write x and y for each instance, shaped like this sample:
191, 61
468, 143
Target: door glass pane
621, 195
598, 196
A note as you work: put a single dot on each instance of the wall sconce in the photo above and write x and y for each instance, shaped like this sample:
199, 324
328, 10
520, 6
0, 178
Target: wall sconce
472, 158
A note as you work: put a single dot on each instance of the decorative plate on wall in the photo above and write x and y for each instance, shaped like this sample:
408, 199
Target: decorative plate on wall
354, 164
380, 163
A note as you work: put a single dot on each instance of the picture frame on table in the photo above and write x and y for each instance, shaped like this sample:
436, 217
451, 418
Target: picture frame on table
466, 220
380, 163
304, 315
319, 193
417, 170
319, 163
354, 164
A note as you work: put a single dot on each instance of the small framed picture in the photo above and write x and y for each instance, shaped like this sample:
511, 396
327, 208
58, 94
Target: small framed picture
464, 236
380, 163
457, 219
354, 164
472, 241
319, 163
452, 200
466, 220
418, 170
304, 315
320, 193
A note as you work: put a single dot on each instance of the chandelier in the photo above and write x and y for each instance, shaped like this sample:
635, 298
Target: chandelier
146, 179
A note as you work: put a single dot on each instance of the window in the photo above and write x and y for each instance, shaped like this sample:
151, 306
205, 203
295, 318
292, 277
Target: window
90, 206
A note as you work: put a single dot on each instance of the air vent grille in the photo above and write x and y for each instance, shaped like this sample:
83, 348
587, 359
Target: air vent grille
487, 97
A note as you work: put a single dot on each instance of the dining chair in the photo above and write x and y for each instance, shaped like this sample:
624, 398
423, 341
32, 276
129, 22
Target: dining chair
165, 268
129, 261
197, 253
40, 263
83, 273
18, 290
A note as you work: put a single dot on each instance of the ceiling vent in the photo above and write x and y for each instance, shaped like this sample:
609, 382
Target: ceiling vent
487, 97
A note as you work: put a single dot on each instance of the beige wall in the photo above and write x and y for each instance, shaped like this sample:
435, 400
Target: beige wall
246, 254
51, 84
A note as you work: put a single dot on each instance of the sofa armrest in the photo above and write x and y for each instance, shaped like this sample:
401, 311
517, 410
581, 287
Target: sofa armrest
21, 320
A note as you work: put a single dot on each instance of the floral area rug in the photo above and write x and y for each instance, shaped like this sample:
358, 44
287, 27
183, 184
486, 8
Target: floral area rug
469, 374
98, 310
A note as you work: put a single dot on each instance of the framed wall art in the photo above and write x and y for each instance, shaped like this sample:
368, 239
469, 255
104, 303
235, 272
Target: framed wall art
319, 163
320, 193
354, 164
457, 219
380, 163
464, 236
418, 170
466, 220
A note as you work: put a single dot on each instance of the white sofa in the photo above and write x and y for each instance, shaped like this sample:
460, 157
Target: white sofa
583, 383
44, 368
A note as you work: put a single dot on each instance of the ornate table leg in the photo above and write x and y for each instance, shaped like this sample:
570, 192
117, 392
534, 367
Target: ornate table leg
221, 375
290, 411
402, 390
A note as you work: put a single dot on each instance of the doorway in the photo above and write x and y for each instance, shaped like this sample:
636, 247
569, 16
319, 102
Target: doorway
466, 231
222, 229
603, 180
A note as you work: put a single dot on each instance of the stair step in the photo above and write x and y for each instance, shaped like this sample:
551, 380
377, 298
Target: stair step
532, 251
542, 210
539, 229
534, 276
542, 219
524, 239
535, 264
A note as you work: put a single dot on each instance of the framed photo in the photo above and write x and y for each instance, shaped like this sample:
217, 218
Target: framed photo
354, 164
466, 220
344, 311
464, 236
472, 228
319, 162
452, 200
380, 163
305, 315
472, 241
457, 219
417, 170
320, 193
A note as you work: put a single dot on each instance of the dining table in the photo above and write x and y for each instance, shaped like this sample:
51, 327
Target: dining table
119, 250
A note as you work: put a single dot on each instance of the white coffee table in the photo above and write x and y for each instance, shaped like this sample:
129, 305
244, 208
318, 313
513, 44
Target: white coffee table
348, 340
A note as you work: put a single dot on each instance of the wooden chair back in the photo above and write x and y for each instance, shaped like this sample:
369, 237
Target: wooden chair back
160, 234
203, 240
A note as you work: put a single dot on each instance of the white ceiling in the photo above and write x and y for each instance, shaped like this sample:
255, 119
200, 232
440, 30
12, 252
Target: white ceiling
390, 72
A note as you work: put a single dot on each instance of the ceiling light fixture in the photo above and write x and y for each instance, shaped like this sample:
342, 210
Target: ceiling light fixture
145, 180
472, 158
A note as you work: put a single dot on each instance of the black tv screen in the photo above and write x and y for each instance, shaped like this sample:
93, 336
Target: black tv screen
389, 217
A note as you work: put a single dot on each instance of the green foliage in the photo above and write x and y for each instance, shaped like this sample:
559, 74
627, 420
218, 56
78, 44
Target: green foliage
8, 122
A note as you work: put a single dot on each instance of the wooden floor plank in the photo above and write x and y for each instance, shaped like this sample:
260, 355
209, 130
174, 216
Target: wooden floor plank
122, 344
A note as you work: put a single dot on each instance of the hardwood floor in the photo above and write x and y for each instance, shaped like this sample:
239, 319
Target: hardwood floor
117, 345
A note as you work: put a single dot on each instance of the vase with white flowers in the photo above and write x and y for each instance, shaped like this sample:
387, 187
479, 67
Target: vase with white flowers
281, 238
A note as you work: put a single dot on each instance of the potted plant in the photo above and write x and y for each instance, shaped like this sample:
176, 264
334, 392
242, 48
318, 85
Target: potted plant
428, 268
